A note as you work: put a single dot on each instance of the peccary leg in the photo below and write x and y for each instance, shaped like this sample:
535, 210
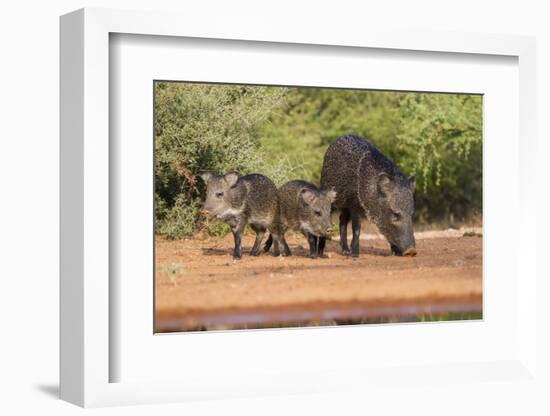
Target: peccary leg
356, 229
237, 233
276, 252
275, 236
321, 246
268, 243
344, 219
312, 245
260, 231
286, 248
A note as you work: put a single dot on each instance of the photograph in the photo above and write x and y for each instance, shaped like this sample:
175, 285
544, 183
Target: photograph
292, 206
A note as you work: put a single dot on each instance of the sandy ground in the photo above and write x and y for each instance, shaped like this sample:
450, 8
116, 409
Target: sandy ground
199, 286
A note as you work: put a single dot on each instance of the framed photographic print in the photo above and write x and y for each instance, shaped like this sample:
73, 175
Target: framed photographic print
304, 181
268, 213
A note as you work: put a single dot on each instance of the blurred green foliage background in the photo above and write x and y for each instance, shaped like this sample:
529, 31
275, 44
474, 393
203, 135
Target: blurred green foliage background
284, 132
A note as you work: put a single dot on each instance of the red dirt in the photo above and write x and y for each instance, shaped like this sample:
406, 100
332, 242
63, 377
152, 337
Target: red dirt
200, 286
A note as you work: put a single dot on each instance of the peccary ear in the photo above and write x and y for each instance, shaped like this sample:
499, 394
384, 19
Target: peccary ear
231, 178
206, 176
307, 196
412, 182
385, 183
331, 195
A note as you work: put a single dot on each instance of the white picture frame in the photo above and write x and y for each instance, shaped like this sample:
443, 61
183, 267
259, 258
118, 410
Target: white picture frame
85, 221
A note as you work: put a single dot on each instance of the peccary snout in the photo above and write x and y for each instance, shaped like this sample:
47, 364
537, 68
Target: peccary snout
410, 252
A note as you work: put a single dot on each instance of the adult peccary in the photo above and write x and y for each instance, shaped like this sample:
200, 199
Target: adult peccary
305, 208
240, 200
370, 185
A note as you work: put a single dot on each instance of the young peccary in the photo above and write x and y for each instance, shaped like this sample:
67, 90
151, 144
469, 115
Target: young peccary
303, 207
240, 200
368, 184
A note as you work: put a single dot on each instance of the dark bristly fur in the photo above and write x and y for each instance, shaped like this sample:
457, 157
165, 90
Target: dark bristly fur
303, 207
370, 185
240, 200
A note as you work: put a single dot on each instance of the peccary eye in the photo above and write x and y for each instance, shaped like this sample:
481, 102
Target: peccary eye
318, 213
395, 216
219, 194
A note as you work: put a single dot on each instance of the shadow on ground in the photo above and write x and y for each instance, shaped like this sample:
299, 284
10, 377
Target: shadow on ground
51, 390
299, 250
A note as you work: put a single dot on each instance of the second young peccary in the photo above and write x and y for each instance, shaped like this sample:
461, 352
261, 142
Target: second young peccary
240, 200
303, 207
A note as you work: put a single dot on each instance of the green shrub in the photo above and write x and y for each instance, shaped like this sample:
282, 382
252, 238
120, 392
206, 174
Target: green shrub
217, 228
440, 140
180, 219
203, 127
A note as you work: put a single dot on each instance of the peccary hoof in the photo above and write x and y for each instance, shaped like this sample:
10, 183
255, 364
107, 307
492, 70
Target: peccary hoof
346, 252
236, 256
255, 253
354, 254
312, 256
